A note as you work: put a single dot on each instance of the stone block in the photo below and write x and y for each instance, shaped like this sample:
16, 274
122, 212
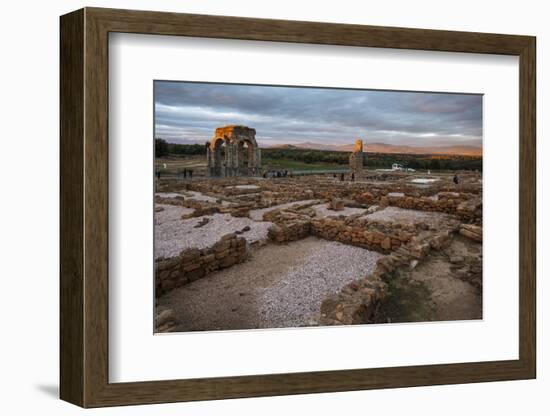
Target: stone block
191, 266
195, 274
228, 261
336, 204
221, 246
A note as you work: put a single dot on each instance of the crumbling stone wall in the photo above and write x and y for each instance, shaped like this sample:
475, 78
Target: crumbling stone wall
193, 264
288, 225
370, 238
465, 206
200, 208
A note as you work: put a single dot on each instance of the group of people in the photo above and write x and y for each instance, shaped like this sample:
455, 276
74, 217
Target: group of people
343, 176
185, 173
188, 173
277, 174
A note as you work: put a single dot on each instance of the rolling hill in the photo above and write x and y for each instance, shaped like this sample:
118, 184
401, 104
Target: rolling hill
389, 148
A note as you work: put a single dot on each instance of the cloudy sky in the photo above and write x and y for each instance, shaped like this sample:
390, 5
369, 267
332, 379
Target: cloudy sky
189, 112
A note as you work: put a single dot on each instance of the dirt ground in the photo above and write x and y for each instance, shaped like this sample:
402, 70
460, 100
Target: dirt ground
442, 288
279, 286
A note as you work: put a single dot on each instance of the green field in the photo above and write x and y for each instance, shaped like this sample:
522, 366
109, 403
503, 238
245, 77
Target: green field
270, 163
176, 164
310, 159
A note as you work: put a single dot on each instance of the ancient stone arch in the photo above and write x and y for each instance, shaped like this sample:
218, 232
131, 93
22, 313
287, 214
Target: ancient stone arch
233, 151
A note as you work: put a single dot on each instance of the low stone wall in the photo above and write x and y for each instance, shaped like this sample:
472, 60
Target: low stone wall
289, 232
294, 225
200, 208
288, 225
360, 301
369, 237
193, 264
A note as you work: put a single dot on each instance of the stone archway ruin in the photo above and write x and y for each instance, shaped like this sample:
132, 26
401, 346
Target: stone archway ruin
233, 151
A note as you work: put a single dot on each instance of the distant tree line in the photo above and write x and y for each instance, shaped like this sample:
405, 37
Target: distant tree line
372, 160
379, 160
163, 149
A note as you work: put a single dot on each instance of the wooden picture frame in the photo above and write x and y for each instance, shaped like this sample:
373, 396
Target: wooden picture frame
84, 207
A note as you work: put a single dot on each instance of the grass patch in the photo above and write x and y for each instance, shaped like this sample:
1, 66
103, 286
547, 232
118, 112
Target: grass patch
290, 164
407, 301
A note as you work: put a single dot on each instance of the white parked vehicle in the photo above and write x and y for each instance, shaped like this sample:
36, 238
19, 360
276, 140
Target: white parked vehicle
401, 168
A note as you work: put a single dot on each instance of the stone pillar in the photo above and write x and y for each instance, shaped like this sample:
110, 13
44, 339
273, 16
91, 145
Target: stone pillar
239, 160
250, 154
257, 158
356, 158
230, 158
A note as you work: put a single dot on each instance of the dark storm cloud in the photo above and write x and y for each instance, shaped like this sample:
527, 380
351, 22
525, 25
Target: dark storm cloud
189, 112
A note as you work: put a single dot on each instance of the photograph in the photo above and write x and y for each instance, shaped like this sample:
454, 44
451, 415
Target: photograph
266, 203
296, 206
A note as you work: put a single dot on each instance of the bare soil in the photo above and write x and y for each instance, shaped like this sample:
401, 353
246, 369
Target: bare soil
438, 289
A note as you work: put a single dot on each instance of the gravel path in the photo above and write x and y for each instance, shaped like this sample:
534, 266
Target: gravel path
172, 235
279, 286
295, 300
170, 213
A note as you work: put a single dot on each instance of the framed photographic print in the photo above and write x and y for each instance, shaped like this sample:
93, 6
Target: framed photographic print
255, 207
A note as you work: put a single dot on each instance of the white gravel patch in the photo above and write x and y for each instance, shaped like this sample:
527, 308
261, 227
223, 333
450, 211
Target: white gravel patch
244, 187
322, 211
168, 194
295, 300
396, 194
258, 214
170, 213
171, 237
423, 180
409, 216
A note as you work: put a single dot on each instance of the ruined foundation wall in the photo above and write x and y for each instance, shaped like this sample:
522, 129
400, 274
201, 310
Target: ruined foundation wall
288, 225
380, 240
466, 207
193, 264
285, 233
